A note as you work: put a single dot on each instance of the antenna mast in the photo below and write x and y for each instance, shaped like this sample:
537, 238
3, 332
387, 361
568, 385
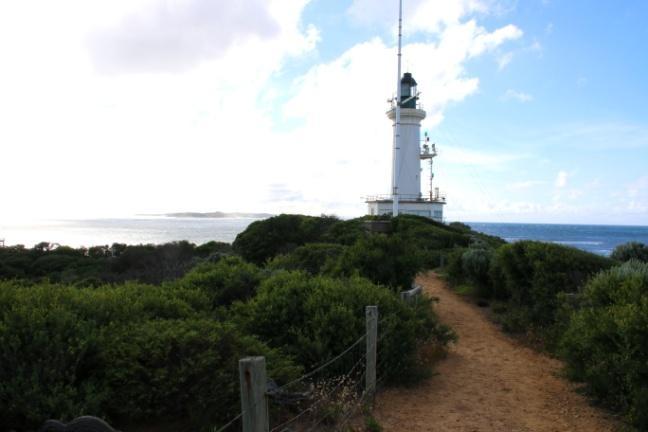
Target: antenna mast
396, 155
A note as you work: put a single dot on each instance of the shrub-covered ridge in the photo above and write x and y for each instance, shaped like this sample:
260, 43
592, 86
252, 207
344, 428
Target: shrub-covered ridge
138, 354
606, 342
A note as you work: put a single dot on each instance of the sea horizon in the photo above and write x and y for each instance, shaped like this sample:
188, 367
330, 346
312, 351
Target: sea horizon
149, 229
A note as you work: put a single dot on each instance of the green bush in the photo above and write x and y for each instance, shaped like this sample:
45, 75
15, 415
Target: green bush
476, 268
631, 250
426, 234
460, 226
531, 275
178, 369
313, 258
213, 248
128, 353
606, 342
454, 266
315, 318
267, 238
384, 259
228, 280
97, 264
51, 263
346, 232
152, 263
43, 346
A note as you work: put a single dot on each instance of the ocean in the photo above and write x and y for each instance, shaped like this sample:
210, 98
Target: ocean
139, 230
600, 239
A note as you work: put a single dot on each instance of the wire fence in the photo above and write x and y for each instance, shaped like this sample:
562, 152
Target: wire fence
329, 397
326, 398
323, 397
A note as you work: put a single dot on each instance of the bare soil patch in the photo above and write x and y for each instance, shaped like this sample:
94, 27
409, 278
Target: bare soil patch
488, 382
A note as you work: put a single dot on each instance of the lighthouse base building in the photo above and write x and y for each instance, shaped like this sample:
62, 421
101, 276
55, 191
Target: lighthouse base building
420, 207
409, 152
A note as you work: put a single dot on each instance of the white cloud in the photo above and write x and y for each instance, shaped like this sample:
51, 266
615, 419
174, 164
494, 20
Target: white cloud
611, 136
170, 36
536, 46
208, 132
517, 96
419, 15
638, 187
561, 179
635, 200
549, 28
486, 41
461, 156
524, 185
504, 60
97, 144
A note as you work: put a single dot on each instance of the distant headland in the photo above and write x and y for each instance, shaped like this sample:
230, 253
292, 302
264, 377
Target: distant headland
216, 214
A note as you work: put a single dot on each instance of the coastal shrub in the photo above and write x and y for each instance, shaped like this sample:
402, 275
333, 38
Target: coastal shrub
454, 266
346, 232
43, 345
435, 241
153, 263
384, 259
131, 302
531, 274
267, 238
51, 263
128, 353
213, 248
315, 318
472, 267
475, 263
13, 266
225, 281
606, 342
178, 369
631, 250
313, 258
118, 263
427, 234
460, 226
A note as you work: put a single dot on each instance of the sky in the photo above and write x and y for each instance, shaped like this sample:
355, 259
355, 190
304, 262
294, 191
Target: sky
107, 109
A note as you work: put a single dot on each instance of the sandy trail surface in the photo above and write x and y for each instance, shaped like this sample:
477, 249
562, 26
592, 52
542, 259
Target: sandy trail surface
488, 382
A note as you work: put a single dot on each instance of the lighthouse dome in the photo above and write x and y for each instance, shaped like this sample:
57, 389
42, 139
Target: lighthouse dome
408, 89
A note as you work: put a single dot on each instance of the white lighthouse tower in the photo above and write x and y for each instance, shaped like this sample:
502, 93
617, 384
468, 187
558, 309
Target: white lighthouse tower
407, 115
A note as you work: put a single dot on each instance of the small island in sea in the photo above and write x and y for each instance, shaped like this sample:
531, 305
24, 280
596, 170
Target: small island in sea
216, 214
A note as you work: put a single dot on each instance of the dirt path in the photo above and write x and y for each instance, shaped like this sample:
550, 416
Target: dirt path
488, 382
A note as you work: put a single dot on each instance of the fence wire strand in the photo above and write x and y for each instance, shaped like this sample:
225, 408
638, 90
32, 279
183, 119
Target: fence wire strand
322, 418
342, 379
331, 400
230, 423
324, 365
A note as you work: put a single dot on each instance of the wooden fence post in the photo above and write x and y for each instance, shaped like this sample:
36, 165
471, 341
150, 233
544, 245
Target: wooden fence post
371, 314
252, 376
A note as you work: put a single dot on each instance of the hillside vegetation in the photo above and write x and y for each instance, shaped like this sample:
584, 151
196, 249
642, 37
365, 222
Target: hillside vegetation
146, 335
151, 335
